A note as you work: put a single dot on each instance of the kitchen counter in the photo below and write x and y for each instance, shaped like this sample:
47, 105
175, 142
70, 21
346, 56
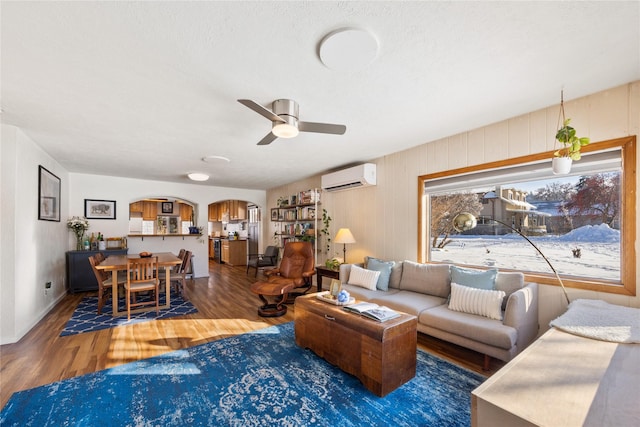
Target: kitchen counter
234, 252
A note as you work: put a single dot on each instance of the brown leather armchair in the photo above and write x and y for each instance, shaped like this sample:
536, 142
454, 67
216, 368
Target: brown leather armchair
290, 279
297, 266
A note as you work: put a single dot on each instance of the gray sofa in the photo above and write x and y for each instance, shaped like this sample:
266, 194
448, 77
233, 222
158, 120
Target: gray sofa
423, 290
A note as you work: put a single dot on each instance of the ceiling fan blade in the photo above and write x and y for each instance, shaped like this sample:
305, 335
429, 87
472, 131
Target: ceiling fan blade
322, 128
260, 110
268, 139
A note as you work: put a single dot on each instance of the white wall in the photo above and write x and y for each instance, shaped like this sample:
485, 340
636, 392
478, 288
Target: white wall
32, 251
384, 218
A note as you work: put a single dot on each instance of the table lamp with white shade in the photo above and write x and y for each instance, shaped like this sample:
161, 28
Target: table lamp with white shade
344, 236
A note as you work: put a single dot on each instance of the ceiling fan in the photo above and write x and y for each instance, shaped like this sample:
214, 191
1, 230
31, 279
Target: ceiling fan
285, 123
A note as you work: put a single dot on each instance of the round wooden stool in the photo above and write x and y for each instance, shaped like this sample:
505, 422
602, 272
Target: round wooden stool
275, 289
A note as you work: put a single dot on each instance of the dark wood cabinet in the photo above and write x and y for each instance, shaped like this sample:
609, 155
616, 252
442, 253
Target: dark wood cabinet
80, 277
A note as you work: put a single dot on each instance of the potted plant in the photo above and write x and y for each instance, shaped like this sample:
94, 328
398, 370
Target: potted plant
571, 144
326, 221
333, 264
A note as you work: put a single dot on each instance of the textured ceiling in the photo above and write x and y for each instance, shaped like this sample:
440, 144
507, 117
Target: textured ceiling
147, 89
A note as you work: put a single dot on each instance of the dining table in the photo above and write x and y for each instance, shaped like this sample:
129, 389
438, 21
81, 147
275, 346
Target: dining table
115, 263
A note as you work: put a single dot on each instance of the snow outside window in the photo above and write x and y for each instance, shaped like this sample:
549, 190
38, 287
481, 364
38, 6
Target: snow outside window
576, 220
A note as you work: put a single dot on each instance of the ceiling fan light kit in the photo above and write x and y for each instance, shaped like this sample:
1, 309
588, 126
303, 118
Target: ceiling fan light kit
286, 110
285, 130
285, 121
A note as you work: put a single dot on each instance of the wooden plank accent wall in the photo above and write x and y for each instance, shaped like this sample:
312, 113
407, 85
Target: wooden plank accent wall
384, 218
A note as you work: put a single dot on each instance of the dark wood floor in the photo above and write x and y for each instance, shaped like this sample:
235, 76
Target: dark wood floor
226, 307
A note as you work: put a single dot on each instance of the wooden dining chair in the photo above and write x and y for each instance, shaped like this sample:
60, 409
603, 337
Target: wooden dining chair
179, 277
99, 257
104, 279
142, 277
176, 268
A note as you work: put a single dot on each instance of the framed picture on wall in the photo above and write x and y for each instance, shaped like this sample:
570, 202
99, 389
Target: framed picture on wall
99, 209
167, 207
48, 195
274, 214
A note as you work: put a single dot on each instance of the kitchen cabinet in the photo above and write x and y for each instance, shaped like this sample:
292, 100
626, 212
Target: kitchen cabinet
149, 211
228, 210
224, 251
234, 252
186, 211
214, 209
237, 210
136, 207
224, 210
80, 276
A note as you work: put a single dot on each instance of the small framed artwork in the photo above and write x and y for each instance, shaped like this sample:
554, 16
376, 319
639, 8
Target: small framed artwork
167, 207
48, 195
99, 209
274, 214
335, 288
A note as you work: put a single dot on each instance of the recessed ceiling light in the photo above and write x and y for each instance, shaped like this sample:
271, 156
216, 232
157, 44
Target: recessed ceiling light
198, 176
348, 49
209, 159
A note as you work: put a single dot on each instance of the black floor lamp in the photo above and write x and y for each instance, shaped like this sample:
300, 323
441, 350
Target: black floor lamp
465, 221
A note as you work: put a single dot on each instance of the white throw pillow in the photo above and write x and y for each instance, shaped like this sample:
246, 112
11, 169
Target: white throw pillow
364, 278
482, 302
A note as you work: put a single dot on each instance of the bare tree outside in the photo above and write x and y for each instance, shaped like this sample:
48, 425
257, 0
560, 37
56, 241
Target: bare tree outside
554, 191
444, 208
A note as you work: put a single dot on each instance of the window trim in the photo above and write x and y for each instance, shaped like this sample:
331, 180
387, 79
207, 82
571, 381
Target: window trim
627, 284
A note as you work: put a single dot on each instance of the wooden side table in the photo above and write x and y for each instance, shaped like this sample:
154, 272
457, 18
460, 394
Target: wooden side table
325, 272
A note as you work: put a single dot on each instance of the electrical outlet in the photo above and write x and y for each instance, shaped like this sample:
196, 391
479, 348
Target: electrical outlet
47, 285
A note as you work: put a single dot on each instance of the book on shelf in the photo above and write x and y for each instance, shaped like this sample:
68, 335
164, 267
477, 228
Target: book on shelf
373, 311
308, 197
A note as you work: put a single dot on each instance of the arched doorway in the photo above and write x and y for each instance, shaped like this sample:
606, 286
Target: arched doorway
233, 219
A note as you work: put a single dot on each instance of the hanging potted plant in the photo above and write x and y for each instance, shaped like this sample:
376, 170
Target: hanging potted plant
571, 145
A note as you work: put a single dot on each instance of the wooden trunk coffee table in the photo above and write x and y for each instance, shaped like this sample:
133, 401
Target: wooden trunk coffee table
382, 355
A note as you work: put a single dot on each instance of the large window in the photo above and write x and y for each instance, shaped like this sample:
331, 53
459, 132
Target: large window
583, 222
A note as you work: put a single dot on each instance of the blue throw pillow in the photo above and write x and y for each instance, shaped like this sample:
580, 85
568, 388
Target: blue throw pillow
384, 267
481, 279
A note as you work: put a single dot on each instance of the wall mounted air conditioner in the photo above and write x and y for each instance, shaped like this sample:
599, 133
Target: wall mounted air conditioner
362, 175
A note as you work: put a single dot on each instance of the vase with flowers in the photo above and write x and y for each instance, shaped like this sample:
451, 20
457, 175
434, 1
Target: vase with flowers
78, 225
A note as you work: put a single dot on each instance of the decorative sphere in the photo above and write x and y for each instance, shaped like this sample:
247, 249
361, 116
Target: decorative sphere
343, 296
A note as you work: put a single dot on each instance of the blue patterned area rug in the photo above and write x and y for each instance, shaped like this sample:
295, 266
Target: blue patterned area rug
86, 318
256, 379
